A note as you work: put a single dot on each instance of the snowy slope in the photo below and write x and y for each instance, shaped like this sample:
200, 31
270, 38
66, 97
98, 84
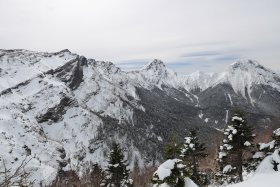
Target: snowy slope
56, 107
20, 65
198, 80
63, 110
60, 125
265, 174
261, 180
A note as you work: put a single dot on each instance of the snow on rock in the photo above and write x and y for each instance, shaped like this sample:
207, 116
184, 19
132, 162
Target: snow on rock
198, 80
277, 132
229, 96
227, 169
164, 170
267, 165
247, 144
269, 145
236, 118
222, 155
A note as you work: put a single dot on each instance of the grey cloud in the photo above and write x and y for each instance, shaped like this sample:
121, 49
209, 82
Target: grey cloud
113, 30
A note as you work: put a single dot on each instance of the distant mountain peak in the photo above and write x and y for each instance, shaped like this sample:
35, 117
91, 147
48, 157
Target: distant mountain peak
155, 65
246, 64
64, 51
156, 73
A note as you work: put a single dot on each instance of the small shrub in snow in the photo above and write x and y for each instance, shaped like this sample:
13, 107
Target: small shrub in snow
267, 149
193, 151
17, 177
171, 173
270, 164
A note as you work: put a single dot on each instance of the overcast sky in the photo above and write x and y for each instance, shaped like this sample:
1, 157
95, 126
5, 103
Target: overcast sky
188, 35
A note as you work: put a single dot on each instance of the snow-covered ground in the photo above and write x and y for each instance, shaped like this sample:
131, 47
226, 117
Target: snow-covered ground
265, 175
261, 180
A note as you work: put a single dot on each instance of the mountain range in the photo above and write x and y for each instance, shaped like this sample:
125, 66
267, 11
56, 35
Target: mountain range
65, 110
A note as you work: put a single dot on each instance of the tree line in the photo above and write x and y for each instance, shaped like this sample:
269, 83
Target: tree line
237, 155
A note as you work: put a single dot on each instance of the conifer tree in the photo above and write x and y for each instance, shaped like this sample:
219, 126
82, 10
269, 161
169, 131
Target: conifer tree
97, 175
117, 173
276, 137
193, 151
172, 149
238, 141
173, 171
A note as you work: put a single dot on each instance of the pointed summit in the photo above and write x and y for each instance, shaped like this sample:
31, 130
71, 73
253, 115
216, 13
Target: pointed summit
252, 71
157, 73
156, 65
247, 65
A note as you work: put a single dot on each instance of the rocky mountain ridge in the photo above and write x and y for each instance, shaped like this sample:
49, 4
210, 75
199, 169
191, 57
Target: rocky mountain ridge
64, 110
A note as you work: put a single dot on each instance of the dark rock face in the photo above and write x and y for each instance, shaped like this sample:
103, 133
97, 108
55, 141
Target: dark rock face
62, 152
72, 72
267, 99
220, 101
77, 75
55, 113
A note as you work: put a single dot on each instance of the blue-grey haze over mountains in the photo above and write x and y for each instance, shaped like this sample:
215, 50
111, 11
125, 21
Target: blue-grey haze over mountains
188, 35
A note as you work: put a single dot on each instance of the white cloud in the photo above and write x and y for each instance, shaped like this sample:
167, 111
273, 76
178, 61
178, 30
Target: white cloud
119, 30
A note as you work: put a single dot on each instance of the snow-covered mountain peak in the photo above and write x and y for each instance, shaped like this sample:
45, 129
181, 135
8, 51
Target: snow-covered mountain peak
156, 65
156, 73
246, 65
65, 51
243, 75
248, 69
